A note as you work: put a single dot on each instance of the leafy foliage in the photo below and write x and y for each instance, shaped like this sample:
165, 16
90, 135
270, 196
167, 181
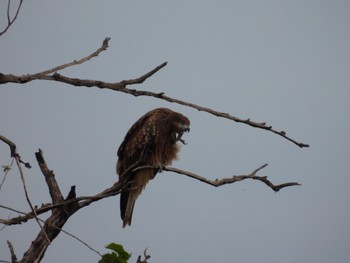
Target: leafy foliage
119, 255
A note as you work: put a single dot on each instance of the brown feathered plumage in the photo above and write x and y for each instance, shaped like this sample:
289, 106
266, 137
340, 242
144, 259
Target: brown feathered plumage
150, 141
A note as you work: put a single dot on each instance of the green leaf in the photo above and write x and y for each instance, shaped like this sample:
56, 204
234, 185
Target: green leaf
120, 250
109, 258
121, 256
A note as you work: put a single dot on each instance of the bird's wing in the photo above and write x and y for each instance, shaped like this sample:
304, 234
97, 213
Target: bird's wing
132, 153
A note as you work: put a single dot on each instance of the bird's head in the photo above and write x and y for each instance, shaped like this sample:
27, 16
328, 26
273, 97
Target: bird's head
181, 124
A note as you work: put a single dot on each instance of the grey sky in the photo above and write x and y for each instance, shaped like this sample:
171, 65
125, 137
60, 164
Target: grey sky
283, 62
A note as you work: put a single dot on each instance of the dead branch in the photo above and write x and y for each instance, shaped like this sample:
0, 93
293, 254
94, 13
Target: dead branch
60, 214
122, 87
2, 221
10, 20
79, 202
63, 208
51, 182
83, 201
13, 150
27, 195
220, 182
18, 159
12, 252
77, 62
146, 257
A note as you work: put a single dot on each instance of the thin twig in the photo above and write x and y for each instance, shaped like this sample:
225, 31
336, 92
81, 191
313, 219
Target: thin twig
61, 229
77, 62
27, 196
142, 79
7, 170
11, 144
13, 148
8, 12
9, 20
78, 239
4, 221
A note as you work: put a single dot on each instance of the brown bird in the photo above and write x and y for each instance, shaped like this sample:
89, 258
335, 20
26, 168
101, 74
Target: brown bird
150, 141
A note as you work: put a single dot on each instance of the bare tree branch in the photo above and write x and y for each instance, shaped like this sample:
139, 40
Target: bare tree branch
146, 257
12, 252
62, 209
83, 201
27, 195
60, 214
13, 150
17, 157
67, 233
77, 62
9, 20
122, 87
229, 180
54, 190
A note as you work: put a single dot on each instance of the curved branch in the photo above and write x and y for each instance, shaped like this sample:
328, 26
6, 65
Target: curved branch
145, 255
13, 150
122, 87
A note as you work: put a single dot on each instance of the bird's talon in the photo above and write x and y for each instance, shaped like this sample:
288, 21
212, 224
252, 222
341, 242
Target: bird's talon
161, 168
183, 141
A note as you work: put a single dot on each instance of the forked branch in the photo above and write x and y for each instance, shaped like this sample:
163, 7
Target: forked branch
10, 20
80, 202
13, 150
122, 86
230, 180
62, 209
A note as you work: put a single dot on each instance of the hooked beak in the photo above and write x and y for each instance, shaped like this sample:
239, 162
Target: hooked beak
185, 128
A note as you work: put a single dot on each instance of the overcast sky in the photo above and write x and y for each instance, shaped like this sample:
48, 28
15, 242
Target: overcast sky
283, 62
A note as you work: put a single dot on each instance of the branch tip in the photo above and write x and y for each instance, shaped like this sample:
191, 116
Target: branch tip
12, 252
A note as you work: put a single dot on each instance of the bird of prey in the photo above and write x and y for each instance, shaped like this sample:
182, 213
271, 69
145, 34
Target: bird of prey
151, 141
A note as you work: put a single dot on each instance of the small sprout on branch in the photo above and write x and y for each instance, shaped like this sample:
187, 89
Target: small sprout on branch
6, 168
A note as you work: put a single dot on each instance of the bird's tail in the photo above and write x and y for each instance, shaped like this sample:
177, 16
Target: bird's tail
128, 198
127, 202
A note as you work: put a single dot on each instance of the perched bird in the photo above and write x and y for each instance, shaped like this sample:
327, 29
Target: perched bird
151, 141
